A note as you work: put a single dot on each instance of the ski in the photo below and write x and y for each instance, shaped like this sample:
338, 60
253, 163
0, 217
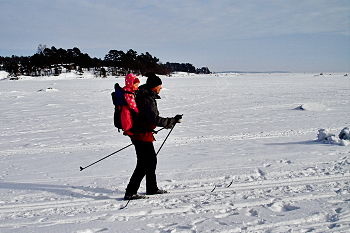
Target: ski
123, 207
226, 186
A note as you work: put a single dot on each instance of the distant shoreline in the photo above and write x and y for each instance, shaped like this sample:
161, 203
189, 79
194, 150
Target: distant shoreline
254, 72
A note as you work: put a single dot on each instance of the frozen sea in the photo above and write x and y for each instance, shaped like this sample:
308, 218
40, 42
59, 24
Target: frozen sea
246, 157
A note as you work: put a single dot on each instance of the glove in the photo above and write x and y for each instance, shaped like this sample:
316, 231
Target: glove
178, 118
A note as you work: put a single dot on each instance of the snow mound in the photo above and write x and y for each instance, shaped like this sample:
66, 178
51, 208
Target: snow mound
49, 89
313, 107
3, 75
325, 135
344, 142
92, 230
345, 133
282, 207
345, 136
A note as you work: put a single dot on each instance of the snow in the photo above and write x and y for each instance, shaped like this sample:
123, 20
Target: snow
313, 107
3, 74
326, 136
244, 159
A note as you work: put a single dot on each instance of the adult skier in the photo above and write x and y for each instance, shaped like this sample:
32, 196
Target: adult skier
143, 127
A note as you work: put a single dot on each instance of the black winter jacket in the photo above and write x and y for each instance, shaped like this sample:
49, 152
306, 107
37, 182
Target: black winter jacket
148, 117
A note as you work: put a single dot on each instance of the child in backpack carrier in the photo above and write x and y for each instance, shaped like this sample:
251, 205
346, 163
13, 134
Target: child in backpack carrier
131, 85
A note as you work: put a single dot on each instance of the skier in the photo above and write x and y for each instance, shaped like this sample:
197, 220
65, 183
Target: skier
144, 123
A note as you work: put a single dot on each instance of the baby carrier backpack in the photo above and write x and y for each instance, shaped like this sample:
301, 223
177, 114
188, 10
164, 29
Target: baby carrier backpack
118, 101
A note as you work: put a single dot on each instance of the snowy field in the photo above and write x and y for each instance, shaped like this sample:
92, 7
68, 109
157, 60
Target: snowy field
244, 159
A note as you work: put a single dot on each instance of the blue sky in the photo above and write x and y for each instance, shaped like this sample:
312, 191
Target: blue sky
239, 35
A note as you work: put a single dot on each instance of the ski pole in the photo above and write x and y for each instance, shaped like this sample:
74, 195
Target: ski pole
82, 168
165, 139
158, 130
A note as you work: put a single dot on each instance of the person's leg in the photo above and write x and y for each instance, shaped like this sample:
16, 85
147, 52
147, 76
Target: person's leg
151, 178
146, 166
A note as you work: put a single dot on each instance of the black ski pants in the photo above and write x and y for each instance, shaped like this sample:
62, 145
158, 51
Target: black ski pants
146, 166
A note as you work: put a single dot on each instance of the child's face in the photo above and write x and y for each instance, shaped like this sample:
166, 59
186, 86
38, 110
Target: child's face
136, 86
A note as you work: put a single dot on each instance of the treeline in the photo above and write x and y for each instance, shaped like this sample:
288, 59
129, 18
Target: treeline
187, 67
51, 61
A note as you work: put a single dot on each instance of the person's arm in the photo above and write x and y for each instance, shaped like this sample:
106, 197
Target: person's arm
130, 99
152, 114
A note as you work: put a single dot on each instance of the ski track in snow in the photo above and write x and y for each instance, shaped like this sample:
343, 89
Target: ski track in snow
255, 201
243, 160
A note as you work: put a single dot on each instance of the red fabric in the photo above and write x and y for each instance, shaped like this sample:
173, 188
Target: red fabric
129, 87
130, 99
146, 136
126, 118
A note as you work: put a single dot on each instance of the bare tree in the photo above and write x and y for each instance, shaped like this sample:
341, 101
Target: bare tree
41, 48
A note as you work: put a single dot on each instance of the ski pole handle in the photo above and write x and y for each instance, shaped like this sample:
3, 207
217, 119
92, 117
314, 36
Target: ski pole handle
178, 118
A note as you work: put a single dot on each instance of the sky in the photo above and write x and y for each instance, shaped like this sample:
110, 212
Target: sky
224, 35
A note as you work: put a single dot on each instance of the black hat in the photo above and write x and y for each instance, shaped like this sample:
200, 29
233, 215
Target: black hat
153, 80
